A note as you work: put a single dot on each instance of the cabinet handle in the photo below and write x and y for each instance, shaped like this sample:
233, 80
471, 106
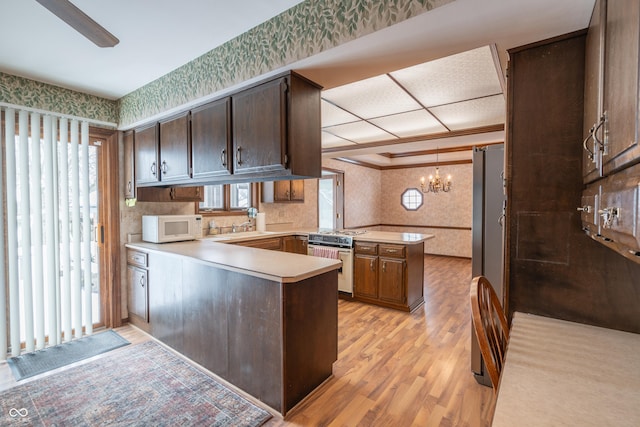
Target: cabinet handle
239, 155
286, 193
142, 281
223, 156
164, 167
596, 128
384, 266
153, 168
129, 186
293, 193
371, 265
392, 251
586, 141
608, 216
585, 208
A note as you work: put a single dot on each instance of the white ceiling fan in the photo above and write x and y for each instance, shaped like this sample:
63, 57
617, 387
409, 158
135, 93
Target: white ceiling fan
81, 22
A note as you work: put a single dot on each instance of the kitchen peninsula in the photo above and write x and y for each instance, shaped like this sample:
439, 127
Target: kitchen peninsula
266, 321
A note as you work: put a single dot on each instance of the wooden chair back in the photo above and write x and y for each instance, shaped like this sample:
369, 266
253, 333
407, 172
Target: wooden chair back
490, 325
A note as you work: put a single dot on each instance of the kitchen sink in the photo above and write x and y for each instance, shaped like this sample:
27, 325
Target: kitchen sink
238, 235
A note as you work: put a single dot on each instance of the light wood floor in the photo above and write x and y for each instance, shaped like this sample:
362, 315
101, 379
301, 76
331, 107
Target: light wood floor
393, 368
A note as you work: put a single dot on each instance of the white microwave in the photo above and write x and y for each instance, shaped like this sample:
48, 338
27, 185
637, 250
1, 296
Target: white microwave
171, 228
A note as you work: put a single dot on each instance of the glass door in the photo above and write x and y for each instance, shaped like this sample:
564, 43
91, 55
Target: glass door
331, 200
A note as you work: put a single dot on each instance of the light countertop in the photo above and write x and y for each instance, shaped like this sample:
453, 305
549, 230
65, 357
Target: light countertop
272, 265
393, 237
267, 264
560, 373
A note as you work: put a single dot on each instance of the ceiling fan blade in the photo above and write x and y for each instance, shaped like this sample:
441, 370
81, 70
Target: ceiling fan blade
81, 22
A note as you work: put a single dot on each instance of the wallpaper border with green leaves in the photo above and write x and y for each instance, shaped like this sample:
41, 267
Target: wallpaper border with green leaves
304, 30
42, 96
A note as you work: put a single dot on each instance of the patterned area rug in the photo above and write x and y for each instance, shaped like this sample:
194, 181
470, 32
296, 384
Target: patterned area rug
141, 385
37, 362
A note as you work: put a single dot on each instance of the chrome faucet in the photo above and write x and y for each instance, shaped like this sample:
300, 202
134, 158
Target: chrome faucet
246, 225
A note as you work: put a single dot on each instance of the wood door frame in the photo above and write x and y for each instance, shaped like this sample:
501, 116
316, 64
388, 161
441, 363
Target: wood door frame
110, 293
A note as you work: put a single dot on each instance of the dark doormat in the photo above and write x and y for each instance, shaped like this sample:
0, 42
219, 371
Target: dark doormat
37, 362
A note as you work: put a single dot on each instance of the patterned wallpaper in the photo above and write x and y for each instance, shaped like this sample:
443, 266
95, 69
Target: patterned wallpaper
302, 31
373, 197
29, 93
452, 209
362, 195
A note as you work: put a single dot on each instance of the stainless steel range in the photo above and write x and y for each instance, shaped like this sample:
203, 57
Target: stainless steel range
341, 242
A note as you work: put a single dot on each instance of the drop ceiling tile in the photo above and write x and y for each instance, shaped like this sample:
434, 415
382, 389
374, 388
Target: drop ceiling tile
332, 115
374, 97
473, 113
463, 76
330, 140
413, 123
359, 132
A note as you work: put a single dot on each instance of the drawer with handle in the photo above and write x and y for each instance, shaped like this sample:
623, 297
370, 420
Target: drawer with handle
396, 251
366, 248
137, 258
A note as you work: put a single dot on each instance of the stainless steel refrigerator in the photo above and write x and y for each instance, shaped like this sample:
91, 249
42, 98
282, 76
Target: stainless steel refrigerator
489, 205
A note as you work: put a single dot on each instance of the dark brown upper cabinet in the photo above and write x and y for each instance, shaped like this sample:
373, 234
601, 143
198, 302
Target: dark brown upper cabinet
283, 191
612, 114
175, 150
593, 91
622, 50
211, 140
276, 129
147, 156
129, 162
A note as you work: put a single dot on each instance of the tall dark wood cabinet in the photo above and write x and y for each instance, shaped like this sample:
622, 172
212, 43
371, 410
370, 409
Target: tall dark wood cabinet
553, 268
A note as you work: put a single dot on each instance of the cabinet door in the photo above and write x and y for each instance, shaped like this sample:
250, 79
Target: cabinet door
175, 152
129, 172
621, 83
593, 92
289, 244
297, 190
165, 299
260, 128
282, 191
391, 280
146, 156
186, 194
273, 243
301, 245
211, 140
365, 276
138, 292
620, 208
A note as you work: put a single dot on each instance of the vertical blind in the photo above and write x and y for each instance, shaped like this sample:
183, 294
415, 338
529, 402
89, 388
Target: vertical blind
47, 267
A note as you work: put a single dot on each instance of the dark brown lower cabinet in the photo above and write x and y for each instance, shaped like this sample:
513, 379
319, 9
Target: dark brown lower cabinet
276, 341
390, 275
137, 282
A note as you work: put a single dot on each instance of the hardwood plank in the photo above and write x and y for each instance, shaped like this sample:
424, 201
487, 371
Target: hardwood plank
394, 368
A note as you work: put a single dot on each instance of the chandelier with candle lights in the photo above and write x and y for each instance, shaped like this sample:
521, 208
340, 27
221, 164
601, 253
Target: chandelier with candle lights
436, 184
